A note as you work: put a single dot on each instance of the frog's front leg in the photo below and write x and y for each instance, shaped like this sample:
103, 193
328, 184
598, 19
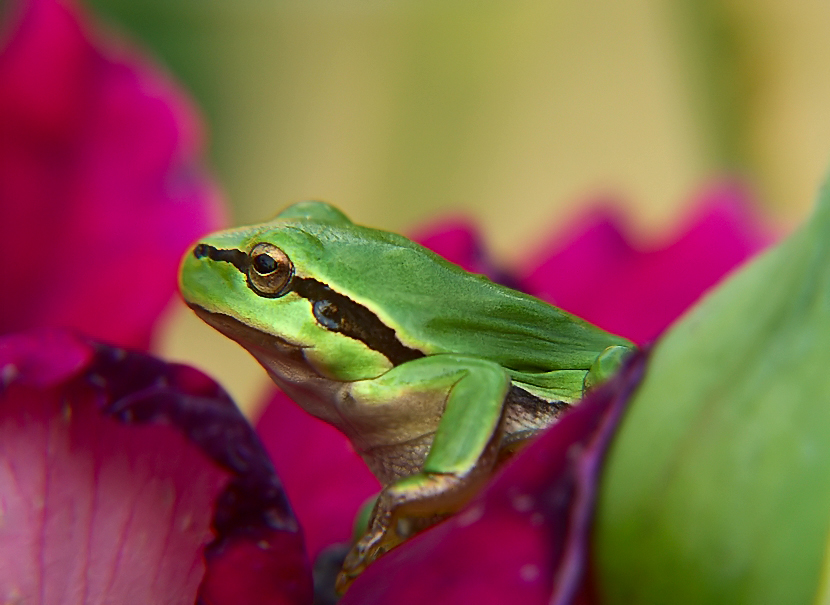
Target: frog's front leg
606, 365
463, 452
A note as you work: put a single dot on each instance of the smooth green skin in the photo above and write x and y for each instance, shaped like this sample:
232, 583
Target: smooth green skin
717, 486
479, 338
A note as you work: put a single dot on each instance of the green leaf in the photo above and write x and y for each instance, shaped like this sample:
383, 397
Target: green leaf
717, 487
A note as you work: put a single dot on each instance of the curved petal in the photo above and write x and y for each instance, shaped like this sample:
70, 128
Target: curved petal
101, 188
596, 272
126, 479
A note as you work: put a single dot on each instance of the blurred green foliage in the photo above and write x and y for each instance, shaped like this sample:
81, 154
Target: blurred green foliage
721, 463
719, 69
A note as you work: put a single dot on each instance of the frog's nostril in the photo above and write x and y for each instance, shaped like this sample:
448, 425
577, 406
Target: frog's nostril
201, 251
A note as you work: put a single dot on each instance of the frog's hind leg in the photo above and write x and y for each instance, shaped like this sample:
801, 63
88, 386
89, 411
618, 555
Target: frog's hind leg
464, 451
414, 504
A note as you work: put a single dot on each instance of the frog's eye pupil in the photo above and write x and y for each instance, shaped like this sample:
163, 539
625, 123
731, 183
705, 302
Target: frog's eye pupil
264, 264
269, 270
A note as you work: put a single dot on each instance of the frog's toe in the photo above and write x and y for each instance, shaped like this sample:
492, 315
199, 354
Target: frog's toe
366, 550
345, 579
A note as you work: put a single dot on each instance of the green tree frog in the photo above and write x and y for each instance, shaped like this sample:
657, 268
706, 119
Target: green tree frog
435, 374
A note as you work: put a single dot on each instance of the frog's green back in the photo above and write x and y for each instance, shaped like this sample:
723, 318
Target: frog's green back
439, 307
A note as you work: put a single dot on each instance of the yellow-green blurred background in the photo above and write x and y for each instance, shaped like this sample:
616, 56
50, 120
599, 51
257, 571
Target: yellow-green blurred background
515, 112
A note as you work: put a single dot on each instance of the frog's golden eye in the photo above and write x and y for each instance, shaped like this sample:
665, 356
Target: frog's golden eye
269, 270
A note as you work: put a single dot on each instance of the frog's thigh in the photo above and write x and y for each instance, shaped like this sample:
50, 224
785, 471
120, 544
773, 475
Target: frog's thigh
473, 390
465, 445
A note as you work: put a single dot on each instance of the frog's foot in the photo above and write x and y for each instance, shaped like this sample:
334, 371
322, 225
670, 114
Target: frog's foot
605, 366
386, 530
380, 539
366, 550
404, 509
375, 543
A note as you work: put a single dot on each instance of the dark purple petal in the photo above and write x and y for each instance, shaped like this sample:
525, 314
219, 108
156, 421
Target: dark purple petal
100, 185
129, 480
326, 481
525, 538
596, 272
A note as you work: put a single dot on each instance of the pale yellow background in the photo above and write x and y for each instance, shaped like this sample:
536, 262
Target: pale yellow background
515, 112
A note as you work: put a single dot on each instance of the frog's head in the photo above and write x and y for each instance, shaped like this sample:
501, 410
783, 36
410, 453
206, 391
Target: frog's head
267, 287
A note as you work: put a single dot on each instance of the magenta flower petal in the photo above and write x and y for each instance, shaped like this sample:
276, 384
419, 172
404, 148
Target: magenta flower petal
326, 481
525, 538
100, 186
458, 241
128, 480
599, 275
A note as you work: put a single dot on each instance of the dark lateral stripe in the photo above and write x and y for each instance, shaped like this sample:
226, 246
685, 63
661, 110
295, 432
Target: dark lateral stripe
235, 257
352, 319
333, 310
533, 404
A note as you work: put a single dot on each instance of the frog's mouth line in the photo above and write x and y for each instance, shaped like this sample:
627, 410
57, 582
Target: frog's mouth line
239, 332
284, 362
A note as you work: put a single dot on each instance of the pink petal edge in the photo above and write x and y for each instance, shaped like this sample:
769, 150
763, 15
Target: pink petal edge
594, 270
99, 156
